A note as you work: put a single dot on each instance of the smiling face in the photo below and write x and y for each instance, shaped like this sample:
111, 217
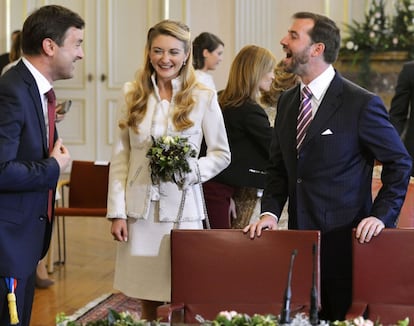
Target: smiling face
213, 59
167, 56
297, 45
65, 56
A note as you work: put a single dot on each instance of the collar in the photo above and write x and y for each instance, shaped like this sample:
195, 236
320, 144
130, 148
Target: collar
42, 83
320, 84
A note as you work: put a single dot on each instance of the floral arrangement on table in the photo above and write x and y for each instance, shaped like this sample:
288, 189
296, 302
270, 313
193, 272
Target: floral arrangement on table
224, 318
169, 157
232, 318
380, 32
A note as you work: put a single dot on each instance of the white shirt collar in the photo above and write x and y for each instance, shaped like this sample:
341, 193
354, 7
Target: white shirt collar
320, 84
42, 83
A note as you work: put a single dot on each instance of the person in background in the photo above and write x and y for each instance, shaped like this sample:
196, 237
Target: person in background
15, 52
326, 169
30, 159
249, 133
208, 52
283, 81
5, 57
401, 113
165, 99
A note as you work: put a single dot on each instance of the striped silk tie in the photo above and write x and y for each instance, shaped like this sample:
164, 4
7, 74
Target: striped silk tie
304, 117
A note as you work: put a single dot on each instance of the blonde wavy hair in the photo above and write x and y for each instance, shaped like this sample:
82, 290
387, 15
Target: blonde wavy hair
247, 69
137, 97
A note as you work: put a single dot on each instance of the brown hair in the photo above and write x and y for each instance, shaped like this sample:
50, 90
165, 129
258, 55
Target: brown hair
247, 69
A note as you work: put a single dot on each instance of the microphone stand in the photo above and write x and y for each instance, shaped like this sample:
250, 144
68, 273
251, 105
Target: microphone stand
285, 313
313, 313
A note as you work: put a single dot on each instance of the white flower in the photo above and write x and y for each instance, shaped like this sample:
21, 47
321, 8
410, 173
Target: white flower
395, 40
349, 45
371, 34
360, 321
375, 27
169, 140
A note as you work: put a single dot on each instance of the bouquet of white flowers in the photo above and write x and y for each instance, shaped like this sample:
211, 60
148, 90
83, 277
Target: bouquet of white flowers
169, 157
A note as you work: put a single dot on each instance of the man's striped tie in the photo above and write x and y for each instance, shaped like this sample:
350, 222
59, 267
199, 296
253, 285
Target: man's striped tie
304, 117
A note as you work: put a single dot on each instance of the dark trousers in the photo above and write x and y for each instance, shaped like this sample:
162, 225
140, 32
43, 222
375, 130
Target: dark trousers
24, 299
336, 274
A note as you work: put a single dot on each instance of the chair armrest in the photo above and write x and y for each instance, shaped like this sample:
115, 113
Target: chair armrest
164, 312
357, 309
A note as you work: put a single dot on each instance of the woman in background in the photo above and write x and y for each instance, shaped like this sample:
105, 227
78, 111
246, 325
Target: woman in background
249, 133
165, 99
208, 52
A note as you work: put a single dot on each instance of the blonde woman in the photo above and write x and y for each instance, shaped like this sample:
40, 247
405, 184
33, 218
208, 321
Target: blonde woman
164, 100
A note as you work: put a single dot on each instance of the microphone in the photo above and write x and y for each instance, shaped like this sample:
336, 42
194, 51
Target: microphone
313, 312
285, 313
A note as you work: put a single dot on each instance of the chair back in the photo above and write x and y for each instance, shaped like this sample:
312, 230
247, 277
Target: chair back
88, 184
383, 281
216, 270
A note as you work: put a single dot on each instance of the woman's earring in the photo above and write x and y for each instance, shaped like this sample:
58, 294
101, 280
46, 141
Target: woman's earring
184, 63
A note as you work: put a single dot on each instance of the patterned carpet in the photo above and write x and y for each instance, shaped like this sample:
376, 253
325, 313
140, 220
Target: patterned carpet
98, 309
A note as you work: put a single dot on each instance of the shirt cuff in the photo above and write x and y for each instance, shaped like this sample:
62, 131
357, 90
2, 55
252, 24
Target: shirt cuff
271, 214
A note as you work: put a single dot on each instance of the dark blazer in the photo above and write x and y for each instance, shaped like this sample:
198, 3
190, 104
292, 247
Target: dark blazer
249, 134
26, 175
401, 115
4, 60
329, 181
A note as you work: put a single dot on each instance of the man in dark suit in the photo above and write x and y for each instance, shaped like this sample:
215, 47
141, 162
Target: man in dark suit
401, 114
29, 164
327, 175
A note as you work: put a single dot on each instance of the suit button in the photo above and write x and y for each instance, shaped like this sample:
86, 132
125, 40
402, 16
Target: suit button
299, 180
42, 217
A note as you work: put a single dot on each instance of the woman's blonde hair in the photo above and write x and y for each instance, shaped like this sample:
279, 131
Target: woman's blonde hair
142, 87
246, 71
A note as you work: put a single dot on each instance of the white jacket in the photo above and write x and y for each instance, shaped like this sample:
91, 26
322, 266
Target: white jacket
129, 191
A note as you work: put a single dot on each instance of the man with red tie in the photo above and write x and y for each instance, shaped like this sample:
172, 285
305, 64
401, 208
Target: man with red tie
31, 155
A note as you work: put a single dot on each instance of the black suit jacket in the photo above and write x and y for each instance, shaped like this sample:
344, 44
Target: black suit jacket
249, 134
4, 60
26, 174
401, 114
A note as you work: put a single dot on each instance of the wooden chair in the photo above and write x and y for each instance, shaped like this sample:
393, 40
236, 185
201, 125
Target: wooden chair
216, 270
383, 282
86, 193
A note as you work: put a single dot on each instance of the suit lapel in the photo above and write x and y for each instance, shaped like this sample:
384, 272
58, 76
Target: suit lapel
329, 105
35, 98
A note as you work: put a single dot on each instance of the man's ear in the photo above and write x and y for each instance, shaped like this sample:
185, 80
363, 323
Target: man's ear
318, 49
49, 46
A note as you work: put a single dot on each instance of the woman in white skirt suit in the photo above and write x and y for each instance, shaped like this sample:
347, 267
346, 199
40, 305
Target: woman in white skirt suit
164, 100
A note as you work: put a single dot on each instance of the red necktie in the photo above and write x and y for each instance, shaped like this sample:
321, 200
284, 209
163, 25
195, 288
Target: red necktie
51, 112
304, 117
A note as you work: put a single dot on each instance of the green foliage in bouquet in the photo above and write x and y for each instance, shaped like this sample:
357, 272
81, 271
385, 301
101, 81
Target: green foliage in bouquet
169, 159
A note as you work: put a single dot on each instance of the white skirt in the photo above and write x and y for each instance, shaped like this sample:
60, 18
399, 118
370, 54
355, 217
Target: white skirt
143, 263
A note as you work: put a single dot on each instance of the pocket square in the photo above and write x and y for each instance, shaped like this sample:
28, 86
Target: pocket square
327, 132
